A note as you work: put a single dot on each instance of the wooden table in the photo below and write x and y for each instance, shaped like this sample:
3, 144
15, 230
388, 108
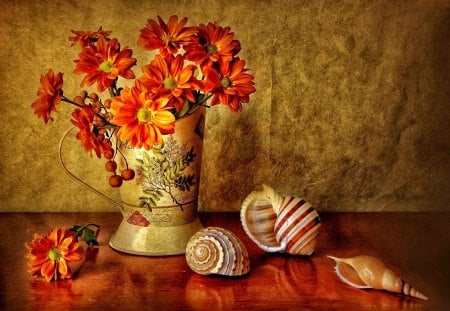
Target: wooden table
417, 245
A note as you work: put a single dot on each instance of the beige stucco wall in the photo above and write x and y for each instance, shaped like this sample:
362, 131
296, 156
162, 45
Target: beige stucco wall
351, 109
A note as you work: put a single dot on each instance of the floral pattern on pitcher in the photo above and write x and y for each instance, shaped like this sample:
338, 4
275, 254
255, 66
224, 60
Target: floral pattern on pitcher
164, 171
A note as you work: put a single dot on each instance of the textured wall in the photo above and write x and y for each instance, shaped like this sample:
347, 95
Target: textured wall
351, 109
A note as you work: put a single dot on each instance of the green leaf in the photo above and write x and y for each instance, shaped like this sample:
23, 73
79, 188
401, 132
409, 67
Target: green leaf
184, 109
89, 237
84, 233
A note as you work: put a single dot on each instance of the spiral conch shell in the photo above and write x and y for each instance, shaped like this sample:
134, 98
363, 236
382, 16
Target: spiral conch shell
280, 224
370, 272
215, 250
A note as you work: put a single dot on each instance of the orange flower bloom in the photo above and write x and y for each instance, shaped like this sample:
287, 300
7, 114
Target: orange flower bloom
49, 93
86, 38
142, 120
231, 85
104, 62
48, 255
166, 77
211, 44
89, 135
167, 38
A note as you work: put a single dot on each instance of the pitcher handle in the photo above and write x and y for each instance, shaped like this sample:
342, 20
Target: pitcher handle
79, 180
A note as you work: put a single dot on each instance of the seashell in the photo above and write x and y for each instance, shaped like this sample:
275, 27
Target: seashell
215, 250
370, 272
280, 224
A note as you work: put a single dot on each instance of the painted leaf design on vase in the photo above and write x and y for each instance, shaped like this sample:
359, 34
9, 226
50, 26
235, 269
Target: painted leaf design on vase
164, 171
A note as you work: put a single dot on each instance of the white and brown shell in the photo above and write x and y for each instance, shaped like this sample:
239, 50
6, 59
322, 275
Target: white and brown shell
280, 224
370, 272
215, 250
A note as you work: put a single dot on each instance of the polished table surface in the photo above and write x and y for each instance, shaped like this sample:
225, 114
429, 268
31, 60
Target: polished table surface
416, 245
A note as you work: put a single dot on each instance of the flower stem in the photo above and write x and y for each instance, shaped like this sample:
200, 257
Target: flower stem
107, 123
204, 99
123, 156
113, 91
65, 99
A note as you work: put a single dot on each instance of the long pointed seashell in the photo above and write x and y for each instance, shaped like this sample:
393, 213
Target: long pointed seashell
215, 250
370, 272
280, 224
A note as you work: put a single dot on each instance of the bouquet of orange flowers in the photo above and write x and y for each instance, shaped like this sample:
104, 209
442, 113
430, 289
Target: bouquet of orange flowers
193, 66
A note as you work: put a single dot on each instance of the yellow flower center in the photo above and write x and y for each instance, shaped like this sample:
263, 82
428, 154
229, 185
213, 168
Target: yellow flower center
167, 38
211, 48
54, 254
170, 83
106, 66
226, 82
145, 115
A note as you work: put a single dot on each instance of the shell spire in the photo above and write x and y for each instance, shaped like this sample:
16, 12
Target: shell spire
214, 250
274, 198
370, 272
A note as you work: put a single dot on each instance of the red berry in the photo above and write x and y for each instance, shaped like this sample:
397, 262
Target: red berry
128, 174
111, 166
93, 97
109, 154
115, 181
107, 103
96, 107
79, 100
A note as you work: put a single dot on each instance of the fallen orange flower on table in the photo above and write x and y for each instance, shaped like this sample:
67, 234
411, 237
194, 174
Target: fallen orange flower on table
49, 256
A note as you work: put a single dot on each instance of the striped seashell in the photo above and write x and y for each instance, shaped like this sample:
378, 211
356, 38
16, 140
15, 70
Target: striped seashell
370, 272
215, 250
280, 224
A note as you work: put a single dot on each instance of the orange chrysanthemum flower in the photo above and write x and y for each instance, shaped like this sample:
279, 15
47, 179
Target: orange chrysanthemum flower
142, 120
167, 77
86, 38
212, 43
49, 93
167, 38
231, 85
48, 255
104, 62
89, 134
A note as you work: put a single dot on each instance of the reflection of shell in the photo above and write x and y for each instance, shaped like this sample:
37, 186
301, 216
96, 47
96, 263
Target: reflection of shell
215, 250
369, 272
280, 224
